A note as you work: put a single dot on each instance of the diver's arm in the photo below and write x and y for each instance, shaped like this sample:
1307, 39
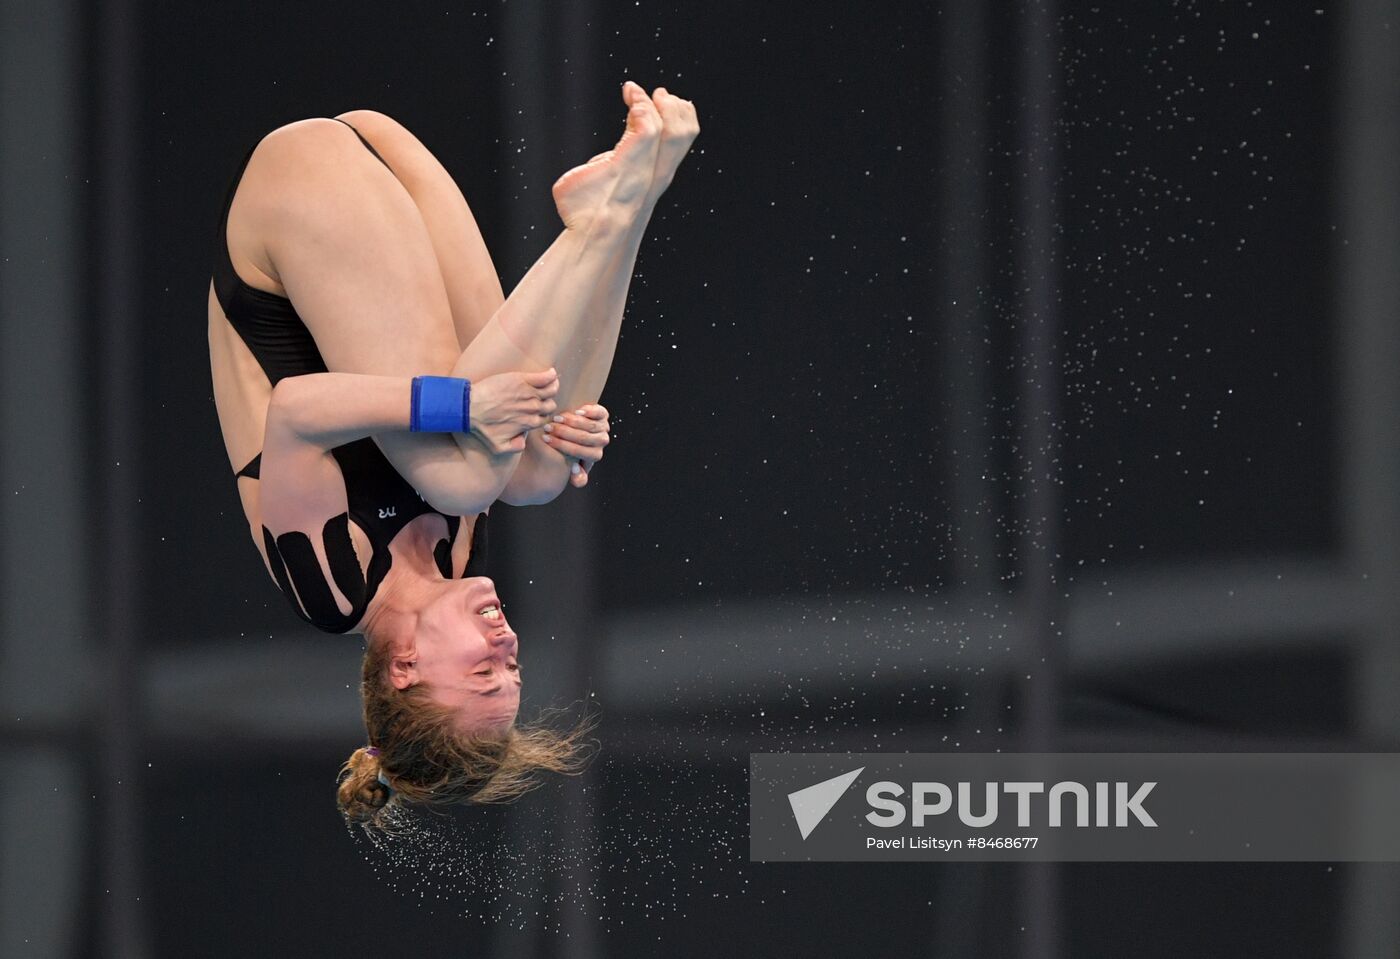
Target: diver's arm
327, 410
317, 412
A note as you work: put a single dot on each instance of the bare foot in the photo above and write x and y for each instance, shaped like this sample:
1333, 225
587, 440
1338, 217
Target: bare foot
679, 127
620, 179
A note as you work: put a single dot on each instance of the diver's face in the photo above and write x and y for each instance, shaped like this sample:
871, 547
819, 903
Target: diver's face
467, 656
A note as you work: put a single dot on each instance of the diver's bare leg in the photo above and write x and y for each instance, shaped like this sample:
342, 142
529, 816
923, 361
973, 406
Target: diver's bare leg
351, 250
471, 282
543, 469
552, 318
473, 286
594, 345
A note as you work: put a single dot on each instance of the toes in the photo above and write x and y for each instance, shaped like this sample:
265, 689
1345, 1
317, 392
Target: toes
677, 114
670, 107
636, 97
643, 117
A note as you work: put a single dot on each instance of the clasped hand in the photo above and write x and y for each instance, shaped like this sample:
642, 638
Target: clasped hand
507, 406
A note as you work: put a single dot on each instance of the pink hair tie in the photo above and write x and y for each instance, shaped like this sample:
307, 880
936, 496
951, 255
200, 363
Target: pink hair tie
372, 750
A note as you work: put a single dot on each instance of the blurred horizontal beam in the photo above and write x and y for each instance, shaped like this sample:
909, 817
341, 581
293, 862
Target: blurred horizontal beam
664, 658
721, 745
636, 739
304, 688
1206, 607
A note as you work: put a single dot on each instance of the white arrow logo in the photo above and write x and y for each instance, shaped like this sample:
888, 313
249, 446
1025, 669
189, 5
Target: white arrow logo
810, 805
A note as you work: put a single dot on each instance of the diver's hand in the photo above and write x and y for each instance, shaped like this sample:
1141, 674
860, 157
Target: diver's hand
580, 436
506, 406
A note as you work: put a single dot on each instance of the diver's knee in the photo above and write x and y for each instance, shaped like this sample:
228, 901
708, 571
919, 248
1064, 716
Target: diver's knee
369, 119
302, 163
312, 136
400, 148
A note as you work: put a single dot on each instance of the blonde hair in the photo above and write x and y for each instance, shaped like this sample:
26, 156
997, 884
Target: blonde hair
427, 760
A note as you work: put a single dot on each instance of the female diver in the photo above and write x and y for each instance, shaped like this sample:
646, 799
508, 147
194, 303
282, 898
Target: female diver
377, 393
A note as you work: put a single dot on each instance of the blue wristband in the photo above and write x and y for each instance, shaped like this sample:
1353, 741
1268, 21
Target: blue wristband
441, 404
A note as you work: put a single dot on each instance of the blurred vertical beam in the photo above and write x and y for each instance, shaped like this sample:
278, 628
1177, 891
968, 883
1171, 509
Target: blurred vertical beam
548, 58
580, 95
965, 351
1368, 200
122, 934
524, 99
1041, 603
42, 445
961, 891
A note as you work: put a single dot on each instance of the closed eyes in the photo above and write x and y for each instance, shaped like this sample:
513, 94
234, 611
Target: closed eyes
513, 667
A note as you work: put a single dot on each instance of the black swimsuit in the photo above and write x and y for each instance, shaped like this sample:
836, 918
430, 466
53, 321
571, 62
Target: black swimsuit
380, 501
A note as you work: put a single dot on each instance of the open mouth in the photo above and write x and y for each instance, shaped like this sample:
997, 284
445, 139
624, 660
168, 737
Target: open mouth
492, 612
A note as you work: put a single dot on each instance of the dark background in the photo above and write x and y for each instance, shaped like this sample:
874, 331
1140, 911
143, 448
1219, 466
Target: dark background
824, 405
